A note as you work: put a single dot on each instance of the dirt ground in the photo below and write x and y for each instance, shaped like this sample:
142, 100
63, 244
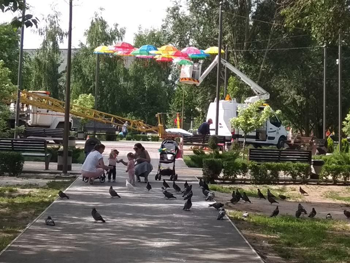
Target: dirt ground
316, 199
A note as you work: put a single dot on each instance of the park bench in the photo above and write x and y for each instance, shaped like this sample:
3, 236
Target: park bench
197, 140
27, 147
275, 155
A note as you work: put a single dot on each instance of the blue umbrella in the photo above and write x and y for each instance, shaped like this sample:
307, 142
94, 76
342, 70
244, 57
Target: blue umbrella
148, 48
201, 55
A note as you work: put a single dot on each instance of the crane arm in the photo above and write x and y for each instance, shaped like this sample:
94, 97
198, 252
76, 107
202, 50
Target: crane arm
261, 94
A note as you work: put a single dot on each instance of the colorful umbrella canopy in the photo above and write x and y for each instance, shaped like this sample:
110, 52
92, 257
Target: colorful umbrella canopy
183, 62
145, 56
148, 48
165, 50
201, 55
122, 46
213, 51
179, 54
163, 59
191, 50
125, 53
103, 50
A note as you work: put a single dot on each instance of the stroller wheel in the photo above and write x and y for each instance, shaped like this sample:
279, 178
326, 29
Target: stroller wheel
175, 177
159, 177
85, 179
102, 178
156, 177
171, 178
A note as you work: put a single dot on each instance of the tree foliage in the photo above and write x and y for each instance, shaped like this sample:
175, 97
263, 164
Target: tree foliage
86, 101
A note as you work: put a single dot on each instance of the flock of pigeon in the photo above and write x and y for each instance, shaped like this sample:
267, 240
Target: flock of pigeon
187, 194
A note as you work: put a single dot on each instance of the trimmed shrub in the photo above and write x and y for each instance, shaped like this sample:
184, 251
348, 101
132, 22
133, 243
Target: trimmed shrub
154, 138
234, 168
198, 151
336, 172
128, 137
330, 145
211, 169
344, 146
78, 155
111, 136
11, 163
213, 142
198, 159
259, 173
144, 138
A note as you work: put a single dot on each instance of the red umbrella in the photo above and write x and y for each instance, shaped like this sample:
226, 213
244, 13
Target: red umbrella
123, 46
179, 54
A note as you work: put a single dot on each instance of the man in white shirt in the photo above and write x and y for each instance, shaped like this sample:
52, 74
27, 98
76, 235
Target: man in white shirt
93, 165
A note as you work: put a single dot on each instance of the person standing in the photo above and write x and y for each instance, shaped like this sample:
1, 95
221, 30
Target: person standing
113, 162
125, 128
204, 129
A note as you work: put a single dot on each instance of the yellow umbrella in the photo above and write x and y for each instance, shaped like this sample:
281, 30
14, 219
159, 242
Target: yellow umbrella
103, 50
213, 51
165, 50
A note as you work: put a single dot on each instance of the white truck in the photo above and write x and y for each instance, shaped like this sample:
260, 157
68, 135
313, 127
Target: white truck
271, 133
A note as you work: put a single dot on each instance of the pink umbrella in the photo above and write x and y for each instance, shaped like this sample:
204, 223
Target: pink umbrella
125, 52
123, 46
191, 50
179, 54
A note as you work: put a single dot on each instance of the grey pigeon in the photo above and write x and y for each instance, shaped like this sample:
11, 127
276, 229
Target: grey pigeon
176, 187
260, 195
298, 213
188, 205
283, 197
221, 214
96, 215
113, 193
148, 186
270, 194
216, 205
234, 200
275, 212
185, 184
302, 209
245, 197
271, 200
302, 191
200, 182
205, 186
165, 184
188, 196
187, 191
205, 192
312, 213
49, 221
168, 195
329, 216
347, 214
238, 194
63, 195
210, 196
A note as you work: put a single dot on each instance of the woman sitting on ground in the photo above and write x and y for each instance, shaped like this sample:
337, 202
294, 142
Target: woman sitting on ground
93, 165
143, 160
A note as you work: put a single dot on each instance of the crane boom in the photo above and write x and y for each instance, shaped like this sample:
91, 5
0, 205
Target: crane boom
261, 94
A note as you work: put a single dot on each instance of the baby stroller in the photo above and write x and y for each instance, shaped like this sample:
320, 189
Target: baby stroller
102, 178
168, 152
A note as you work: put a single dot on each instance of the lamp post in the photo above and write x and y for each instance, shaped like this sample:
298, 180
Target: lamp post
324, 90
20, 66
67, 98
225, 80
96, 86
218, 72
339, 90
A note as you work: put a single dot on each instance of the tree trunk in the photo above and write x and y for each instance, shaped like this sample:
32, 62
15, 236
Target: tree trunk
244, 141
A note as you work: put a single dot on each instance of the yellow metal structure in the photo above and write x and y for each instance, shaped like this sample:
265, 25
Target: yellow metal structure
49, 103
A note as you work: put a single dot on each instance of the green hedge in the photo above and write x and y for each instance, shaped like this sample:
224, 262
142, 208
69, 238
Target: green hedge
336, 172
211, 169
234, 168
196, 160
11, 163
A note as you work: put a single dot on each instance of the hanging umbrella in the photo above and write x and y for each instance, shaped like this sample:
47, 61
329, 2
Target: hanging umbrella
163, 59
213, 51
183, 62
125, 53
103, 50
165, 50
139, 52
122, 46
145, 56
148, 48
179, 54
201, 55
191, 50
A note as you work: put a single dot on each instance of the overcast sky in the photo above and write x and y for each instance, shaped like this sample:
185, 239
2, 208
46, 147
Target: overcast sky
127, 13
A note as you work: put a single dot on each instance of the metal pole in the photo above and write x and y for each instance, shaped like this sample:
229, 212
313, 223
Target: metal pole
67, 102
339, 90
324, 90
225, 80
19, 77
183, 106
218, 72
97, 75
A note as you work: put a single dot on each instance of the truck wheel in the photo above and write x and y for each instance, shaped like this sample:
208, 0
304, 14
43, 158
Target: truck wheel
281, 142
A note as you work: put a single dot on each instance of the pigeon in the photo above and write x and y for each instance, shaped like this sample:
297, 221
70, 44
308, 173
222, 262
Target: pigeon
185, 184
302, 191
49, 221
217, 206
168, 195
275, 212
187, 191
148, 186
113, 193
201, 182
298, 213
238, 194
245, 215
63, 195
205, 192
165, 184
329, 216
233, 193
129, 186
347, 214
234, 200
205, 186
270, 194
176, 187
261, 195
245, 198
302, 209
313, 213
271, 200
190, 194
210, 196
96, 215
221, 214
188, 205
283, 197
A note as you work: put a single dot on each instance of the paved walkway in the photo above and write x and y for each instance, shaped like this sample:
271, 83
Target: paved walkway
141, 227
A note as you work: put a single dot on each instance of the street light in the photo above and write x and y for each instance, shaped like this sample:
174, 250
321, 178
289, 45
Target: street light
67, 102
218, 72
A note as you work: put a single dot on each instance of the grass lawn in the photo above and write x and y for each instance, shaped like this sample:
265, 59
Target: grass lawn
341, 196
292, 193
20, 205
297, 240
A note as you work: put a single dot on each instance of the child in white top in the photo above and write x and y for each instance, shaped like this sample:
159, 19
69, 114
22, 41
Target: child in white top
113, 162
131, 168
